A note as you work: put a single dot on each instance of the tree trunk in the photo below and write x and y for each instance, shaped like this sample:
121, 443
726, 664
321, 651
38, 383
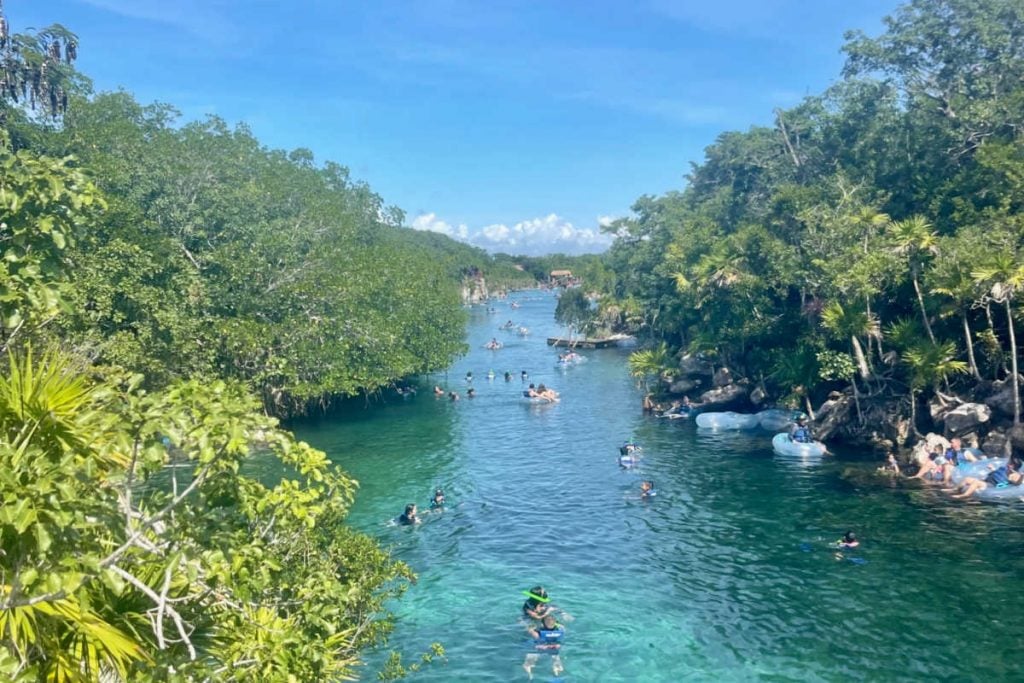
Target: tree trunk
970, 347
924, 313
1013, 364
992, 328
858, 353
913, 415
807, 404
856, 401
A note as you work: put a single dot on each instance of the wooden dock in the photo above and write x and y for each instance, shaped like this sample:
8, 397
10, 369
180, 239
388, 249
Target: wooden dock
586, 343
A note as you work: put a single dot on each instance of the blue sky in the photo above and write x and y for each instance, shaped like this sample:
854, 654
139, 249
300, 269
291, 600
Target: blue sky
518, 126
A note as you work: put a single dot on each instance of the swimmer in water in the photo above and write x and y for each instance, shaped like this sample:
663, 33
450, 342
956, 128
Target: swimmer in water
523, 376
538, 604
547, 639
438, 391
469, 376
647, 490
471, 392
437, 502
409, 517
508, 376
453, 396
848, 541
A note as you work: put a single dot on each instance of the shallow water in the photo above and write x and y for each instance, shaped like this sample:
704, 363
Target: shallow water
724, 576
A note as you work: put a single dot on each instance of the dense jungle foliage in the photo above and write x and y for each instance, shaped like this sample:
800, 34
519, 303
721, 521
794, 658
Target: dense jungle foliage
163, 288
872, 235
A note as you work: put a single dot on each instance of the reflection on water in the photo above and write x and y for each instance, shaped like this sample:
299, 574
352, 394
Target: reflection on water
726, 575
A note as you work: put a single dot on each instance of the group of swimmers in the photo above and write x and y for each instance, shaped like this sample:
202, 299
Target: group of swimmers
411, 515
941, 463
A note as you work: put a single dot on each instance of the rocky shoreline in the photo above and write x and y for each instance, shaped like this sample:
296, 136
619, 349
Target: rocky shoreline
878, 421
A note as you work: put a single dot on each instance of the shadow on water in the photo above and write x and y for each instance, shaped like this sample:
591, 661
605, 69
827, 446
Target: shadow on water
728, 574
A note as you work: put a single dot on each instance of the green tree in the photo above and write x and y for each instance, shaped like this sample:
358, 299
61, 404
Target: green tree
915, 239
1003, 274
574, 310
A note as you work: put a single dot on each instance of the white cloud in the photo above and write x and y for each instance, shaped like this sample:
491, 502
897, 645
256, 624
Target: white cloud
533, 237
431, 223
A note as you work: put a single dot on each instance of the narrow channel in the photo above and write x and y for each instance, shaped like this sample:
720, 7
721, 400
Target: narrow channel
726, 575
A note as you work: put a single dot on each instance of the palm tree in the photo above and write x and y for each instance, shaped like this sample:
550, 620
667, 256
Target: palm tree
1004, 275
648, 364
851, 323
54, 434
951, 279
929, 365
915, 239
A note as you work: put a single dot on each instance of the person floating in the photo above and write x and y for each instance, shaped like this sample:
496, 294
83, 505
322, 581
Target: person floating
647, 490
848, 541
469, 376
547, 639
471, 392
547, 394
523, 376
508, 376
437, 502
409, 517
999, 478
453, 396
438, 391
800, 433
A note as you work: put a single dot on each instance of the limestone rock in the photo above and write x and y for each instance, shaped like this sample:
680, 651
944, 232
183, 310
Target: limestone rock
691, 366
722, 378
967, 417
684, 386
996, 444
923, 448
1001, 399
724, 397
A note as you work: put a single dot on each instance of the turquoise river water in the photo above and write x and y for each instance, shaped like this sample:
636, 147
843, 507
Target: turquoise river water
724, 576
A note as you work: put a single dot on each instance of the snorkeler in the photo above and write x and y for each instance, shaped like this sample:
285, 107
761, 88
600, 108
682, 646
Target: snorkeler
848, 541
409, 517
537, 604
547, 638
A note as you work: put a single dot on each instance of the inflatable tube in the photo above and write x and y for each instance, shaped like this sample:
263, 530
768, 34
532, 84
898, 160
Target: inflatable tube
727, 420
783, 445
1009, 492
775, 419
977, 469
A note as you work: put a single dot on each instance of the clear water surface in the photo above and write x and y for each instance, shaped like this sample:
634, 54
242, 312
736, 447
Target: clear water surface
724, 576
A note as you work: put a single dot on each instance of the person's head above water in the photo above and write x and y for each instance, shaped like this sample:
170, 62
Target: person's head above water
410, 510
849, 537
537, 595
549, 622
439, 495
